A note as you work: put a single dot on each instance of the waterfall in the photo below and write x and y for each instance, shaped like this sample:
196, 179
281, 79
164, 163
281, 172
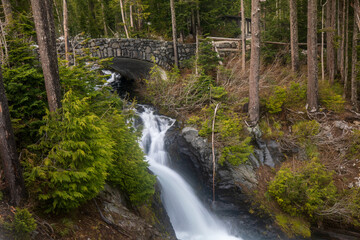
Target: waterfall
191, 220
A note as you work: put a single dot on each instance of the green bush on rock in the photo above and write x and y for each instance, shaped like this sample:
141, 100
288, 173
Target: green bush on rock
71, 163
305, 192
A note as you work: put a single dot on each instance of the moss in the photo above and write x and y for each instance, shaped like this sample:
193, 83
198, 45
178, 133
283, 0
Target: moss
293, 226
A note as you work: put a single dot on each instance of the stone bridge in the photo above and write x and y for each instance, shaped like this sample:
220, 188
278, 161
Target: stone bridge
140, 49
133, 58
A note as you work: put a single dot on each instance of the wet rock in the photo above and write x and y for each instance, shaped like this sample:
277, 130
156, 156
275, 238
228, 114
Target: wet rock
114, 210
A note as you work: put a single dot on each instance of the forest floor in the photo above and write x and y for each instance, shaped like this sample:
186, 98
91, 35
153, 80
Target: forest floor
82, 224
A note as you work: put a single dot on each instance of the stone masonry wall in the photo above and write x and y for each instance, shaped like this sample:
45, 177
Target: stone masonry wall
142, 49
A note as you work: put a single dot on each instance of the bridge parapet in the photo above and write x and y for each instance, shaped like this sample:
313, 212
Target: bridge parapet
141, 49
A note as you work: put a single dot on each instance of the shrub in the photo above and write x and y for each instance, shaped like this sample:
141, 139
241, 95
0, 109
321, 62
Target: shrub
331, 96
273, 130
23, 224
305, 129
72, 157
305, 192
237, 154
296, 95
275, 102
129, 171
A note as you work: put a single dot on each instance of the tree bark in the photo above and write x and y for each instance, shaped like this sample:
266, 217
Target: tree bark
294, 36
346, 71
173, 21
243, 37
7, 11
123, 19
343, 39
322, 42
103, 17
131, 16
312, 87
330, 37
66, 32
254, 63
45, 31
8, 153
354, 72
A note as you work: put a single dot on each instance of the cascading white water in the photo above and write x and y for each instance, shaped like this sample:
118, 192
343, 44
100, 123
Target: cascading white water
189, 217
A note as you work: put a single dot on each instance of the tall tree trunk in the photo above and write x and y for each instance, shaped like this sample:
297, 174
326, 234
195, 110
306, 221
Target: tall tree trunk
294, 36
45, 32
254, 63
312, 87
139, 18
339, 29
343, 39
66, 33
322, 41
103, 17
123, 18
131, 16
243, 37
173, 21
8, 153
7, 11
346, 71
354, 72
330, 37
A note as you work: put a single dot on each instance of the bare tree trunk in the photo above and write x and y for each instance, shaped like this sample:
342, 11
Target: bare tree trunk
213, 149
131, 16
173, 21
3, 45
45, 31
66, 36
322, 41
346, 71
254, 63
103, 17
339, 34
7, 11
342, 45
354, 72
8, 153
312, 87
243, 37
330, 37
123, 19
139, 17
294, 36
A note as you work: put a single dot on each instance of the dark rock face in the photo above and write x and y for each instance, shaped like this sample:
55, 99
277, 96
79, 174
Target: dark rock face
163, 224
191, 152
191, 156
115, 210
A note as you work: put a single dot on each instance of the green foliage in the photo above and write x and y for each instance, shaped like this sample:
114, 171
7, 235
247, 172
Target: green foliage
275, 102
293, 226
23, 225
73, 156
354, 150
237, 154
229, 130
305, 129
331, 96
208, 59
272, 129
24, 82
129, 171
304, 192
296, 95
